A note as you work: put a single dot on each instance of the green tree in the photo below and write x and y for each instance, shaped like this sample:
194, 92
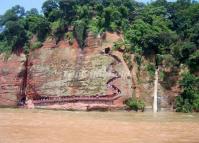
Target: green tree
48, 6
13, 25
38, 25
193, 61
188, 100
32, 12
96, 25
80, 32
183, 50
58, 29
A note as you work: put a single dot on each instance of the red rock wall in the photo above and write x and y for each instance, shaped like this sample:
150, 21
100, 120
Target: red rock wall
66, 70
61, 70
11, 79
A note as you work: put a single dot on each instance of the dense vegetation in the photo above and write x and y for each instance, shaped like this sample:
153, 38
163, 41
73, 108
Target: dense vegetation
135, 104
189, 99
167, 31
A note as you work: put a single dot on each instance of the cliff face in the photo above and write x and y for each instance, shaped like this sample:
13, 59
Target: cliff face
64, 70
47, 71
12, 73
67, 70
143, 84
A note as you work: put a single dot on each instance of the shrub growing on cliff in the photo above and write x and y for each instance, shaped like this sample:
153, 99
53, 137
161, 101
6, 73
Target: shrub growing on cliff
135, 104
70, 37
36, 45
127, 59
188, 101
4, 47
193, 61
96, 26
151, 69
58, 29
80, 32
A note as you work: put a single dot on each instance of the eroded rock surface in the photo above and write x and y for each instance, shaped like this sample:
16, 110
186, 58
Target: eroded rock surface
12, 73
62, 70
67, 70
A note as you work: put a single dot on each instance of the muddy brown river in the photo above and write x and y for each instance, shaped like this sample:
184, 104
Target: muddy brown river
44, 126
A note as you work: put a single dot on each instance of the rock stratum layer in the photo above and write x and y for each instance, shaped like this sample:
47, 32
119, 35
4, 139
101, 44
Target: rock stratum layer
12, 73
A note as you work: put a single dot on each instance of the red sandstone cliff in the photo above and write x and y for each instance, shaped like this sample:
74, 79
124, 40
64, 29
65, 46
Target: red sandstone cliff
12, 73
64, 70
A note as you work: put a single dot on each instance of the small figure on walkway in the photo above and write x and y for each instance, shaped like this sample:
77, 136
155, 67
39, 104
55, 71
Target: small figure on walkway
30, 104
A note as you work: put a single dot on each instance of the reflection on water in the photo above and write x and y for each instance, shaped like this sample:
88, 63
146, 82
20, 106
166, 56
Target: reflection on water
43, 126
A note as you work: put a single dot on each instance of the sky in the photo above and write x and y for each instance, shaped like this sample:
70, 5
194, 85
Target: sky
28, 4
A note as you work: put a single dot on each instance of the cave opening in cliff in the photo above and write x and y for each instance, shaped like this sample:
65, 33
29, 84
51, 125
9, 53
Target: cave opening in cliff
107, 50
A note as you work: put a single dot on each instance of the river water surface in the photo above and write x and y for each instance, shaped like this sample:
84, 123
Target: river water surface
44, 126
